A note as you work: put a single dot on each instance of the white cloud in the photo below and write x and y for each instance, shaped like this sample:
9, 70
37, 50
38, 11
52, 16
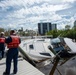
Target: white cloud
11, 25
61, 26
69, 1
75, 16
62, 23
28, 3
37, 10
27, 13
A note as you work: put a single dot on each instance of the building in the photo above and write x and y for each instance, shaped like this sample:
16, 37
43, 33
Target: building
45, 27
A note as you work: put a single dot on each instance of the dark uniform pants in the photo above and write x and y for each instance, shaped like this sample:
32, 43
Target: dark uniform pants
11, 54
2, 53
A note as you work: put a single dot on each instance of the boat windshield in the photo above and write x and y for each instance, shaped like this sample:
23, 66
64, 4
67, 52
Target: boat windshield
57, 44
55, 41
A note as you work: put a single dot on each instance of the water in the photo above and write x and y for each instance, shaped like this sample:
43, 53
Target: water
69, 68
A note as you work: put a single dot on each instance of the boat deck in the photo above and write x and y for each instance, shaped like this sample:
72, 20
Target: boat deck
24, 68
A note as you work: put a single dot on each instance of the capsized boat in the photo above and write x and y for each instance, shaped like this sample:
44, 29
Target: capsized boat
71, 44
64, 48
63, 43
37, 49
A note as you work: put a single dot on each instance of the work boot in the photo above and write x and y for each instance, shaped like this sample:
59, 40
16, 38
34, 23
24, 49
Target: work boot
6, 73
14, 72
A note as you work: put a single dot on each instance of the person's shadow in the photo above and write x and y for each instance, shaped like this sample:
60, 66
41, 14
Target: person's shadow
10, 74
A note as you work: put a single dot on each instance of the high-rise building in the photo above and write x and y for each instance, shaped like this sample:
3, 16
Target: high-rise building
46, 27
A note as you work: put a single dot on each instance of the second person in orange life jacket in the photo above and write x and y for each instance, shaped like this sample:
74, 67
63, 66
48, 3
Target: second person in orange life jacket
2, 44
12, 42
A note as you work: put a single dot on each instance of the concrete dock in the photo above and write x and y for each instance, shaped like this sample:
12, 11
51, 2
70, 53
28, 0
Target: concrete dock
24, 68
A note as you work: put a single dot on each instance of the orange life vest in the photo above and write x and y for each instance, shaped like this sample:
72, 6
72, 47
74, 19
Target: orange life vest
14, 43
2, 40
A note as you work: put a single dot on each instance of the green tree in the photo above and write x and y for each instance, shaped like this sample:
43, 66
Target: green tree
67, 27
1, 29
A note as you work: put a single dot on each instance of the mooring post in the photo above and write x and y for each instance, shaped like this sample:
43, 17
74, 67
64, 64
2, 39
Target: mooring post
54, 66
25, 56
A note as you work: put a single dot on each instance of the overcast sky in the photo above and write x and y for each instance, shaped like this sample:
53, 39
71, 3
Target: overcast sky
27, 13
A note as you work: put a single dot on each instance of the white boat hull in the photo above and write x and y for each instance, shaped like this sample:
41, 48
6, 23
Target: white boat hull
36, 49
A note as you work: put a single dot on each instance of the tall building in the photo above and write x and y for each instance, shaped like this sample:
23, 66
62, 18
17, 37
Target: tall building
45, 27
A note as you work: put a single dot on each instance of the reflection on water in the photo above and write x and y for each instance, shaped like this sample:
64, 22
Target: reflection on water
69, 68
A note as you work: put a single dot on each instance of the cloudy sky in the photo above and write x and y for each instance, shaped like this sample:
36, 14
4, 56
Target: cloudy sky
27, 13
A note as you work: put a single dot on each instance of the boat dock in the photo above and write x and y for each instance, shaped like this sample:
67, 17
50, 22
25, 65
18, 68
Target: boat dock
24, 68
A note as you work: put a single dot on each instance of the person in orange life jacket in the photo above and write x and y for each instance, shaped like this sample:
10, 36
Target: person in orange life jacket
2, 43
12, 42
